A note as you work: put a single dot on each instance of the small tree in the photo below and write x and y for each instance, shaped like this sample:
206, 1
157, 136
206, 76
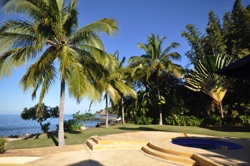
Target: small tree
45, 113
156, 61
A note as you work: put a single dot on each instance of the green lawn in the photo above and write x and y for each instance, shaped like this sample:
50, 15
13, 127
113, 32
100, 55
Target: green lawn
45, 140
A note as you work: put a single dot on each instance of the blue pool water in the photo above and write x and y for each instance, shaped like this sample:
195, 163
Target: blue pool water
206, 143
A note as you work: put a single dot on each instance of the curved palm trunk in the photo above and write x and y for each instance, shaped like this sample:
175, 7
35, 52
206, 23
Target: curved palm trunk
123, 119
41, 124
107, 113
61, 115
221, 109
159, 99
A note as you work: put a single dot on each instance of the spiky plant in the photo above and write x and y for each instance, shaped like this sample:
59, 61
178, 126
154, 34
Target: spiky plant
203, 78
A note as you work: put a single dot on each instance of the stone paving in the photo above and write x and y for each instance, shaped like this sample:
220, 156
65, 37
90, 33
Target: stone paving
82, 155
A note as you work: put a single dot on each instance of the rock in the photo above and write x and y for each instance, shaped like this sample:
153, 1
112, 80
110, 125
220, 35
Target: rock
98, 125
83, 128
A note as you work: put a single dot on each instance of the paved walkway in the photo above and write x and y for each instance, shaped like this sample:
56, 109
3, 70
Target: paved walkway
82, 155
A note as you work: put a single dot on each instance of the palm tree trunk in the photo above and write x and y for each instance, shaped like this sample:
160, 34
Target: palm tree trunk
61, 115
159, 100
222, 114
123, 119
107, 113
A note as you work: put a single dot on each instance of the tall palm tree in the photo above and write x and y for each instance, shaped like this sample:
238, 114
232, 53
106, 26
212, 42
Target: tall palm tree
114, 84
157, 60
51, 36
203, 78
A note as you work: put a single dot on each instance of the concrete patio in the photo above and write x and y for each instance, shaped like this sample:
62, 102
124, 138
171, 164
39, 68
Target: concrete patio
83, 155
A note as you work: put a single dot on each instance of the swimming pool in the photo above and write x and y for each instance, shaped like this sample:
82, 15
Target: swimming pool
206, 143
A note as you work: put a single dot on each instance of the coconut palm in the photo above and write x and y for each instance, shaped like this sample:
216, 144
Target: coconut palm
157, 60
51, 37
203, 78
114, 84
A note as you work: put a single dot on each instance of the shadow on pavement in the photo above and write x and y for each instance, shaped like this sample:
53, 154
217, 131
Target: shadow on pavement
88, 163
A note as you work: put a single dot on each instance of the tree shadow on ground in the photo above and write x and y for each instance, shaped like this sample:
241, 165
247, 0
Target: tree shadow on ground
73, 132
50, 135
228, 129
88, 163
32, 136
140, 129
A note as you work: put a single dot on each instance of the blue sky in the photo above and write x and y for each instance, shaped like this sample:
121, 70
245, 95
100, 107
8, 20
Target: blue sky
136, 19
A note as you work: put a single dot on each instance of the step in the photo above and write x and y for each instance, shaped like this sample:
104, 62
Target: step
91, 144
96, 139
98, 144
170, 151
107, 142
169, 157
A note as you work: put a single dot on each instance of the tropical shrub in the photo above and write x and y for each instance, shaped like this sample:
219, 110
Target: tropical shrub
77, 121
143, 120
183, 120
213, 120
139, 107
245, 120
71, 125
2, 143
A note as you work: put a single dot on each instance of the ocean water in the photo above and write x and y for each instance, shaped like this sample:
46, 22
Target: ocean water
15, 125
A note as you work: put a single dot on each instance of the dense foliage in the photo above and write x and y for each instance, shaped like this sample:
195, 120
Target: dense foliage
220, 45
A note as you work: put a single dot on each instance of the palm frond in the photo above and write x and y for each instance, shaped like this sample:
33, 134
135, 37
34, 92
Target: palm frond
32, 8
172, 55
124, 89
15, 58
106, 25
137, 60
70, 20
169, 47
113, 94
86, 37
16, 34
77, 81
67, 56
38, 71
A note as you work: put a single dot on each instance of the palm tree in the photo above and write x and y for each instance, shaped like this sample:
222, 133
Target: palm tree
114, 84
203, 78
157, 60
51, 36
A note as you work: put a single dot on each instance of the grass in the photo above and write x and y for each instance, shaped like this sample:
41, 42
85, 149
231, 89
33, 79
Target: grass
45, 140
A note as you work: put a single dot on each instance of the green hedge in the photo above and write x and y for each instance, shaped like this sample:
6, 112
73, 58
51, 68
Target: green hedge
183, 120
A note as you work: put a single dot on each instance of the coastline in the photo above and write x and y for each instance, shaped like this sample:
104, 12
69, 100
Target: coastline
14, 127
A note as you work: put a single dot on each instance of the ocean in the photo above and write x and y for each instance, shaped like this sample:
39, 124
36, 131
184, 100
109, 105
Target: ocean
12, 125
